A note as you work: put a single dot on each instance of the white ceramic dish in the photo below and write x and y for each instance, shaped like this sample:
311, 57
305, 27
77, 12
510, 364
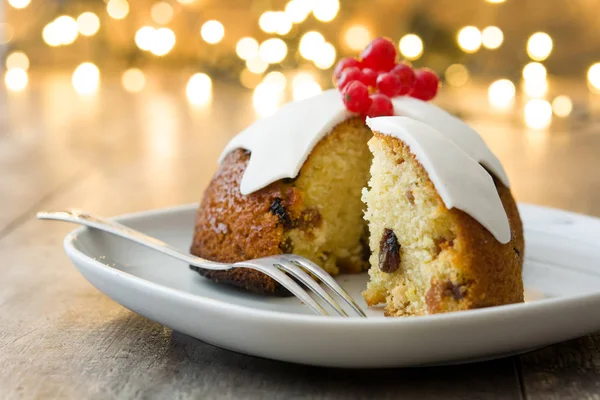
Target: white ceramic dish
561, 274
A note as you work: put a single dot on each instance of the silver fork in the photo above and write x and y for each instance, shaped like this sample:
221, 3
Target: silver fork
274, 266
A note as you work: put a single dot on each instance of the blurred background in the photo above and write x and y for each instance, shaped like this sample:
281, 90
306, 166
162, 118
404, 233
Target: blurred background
539, 57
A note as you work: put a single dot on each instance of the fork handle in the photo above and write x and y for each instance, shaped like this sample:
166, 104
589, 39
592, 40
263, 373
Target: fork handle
114, 228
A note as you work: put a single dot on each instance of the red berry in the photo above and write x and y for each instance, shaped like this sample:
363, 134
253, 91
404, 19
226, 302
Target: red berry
369, 77
343, 64
348, 75
381, 105
379, 55
356, 97
426, 84
388, 84
405, 73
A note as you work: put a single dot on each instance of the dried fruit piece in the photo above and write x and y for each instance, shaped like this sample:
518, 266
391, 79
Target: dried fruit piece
278, 209
389, 252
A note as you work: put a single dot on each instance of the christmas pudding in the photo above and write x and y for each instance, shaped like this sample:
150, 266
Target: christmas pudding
419, 200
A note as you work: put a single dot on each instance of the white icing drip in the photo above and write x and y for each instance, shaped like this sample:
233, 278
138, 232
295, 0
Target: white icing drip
459, 179
454, 129
282, 142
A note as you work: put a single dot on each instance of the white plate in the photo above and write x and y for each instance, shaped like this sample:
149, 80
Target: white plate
561, 273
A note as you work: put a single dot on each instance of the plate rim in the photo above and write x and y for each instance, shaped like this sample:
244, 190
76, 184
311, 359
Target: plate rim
355, 322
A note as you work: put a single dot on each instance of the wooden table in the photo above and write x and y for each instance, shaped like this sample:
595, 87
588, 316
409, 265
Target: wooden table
115, 153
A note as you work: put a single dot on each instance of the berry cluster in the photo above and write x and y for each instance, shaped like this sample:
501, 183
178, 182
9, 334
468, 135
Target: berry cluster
368, 84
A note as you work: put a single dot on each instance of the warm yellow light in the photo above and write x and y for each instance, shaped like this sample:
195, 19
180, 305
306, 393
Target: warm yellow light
272, 50
144, 37
457, 75
133, 80
277, 79
86, 78
357, 37
6, 33
268, 21
469, 39
535, 87
411, 46
325, 56
538, 114
62, 31
17, 59
298, 10
257, 65
539, 46
199, 89
326, 10
212, 31
593, 76
51, 35
16, 79
534, 71
249, 79
88, 24
501, 94
562, 106
163, 40
186, 1
161, 12
310, 44
19, 3
118, 9
266, 99
246, 48
304, 86
492, 37
495, 1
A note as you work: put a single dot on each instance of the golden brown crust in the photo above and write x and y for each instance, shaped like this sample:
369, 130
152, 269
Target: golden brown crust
487, 272
231, 227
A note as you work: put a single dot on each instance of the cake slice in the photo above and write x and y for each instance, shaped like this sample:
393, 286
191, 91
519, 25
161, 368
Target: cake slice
445, 235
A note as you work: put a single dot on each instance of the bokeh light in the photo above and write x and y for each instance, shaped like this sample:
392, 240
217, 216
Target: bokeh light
457, 75
562, 106
86, 78
257, 65
267, 98
326, 10
310, 44
161, 12
163, 40
539, 46
304, 86
298, 10
535, 87
593, 76
325, 56
272, 50
17, 59
60, 32
212, 31
276, 78
249, 79
246, 48
492, 37
88, 24
501, 94
534, 71
16, 79
18, 4
144, 37
6, 33
495, 1
538, 114
117, 9
199, 89
469, 39
133, 80
411, 46
275, 22
357, 37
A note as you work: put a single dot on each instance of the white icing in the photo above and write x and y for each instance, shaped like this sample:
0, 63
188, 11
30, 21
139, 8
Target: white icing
459, 179
282, 142
454, 129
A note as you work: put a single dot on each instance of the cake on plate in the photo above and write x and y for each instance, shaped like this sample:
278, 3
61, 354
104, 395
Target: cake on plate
414, 195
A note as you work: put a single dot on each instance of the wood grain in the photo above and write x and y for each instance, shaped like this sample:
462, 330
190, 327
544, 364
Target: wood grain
117, 153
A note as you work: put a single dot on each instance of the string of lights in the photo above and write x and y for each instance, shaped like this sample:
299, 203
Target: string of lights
292, 61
